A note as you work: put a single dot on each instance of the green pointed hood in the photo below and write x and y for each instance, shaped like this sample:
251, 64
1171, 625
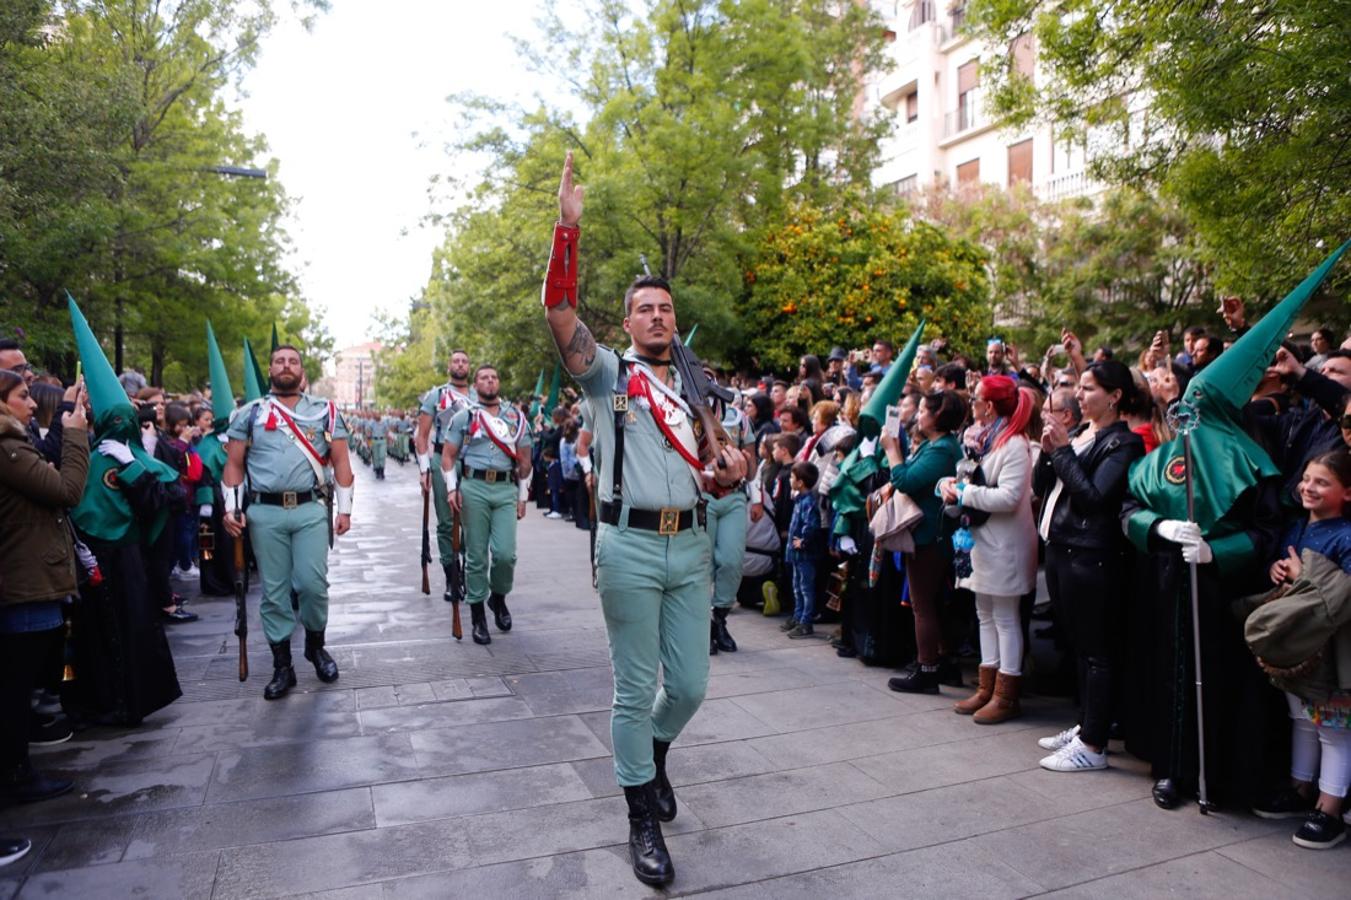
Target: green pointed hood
554, 386
534, 396
1226, 461
275, 342
689, 338
255, 382
222, 398
888, 392
106, 394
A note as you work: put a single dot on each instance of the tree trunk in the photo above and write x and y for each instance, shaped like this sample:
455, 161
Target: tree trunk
157, 353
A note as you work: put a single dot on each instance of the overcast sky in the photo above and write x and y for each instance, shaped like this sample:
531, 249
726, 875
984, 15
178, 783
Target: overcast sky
355, 111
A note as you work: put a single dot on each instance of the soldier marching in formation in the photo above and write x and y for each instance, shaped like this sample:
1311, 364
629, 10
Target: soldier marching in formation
439, 405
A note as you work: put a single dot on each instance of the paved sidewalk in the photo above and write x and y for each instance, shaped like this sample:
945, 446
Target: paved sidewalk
437, 769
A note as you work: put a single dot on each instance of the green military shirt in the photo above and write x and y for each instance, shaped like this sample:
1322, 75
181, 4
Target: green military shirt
654, 475
477, 450
442, 403
276, 462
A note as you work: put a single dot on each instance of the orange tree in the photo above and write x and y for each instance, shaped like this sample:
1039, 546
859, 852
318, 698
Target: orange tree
848, 277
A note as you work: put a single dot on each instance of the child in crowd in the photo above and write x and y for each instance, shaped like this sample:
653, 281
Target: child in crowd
803, 549
178, 426
1321, 738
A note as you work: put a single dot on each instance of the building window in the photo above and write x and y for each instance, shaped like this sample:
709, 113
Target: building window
1020, 162
911, 107
968, 79
921, 14
968, 173
907, 185
958, 11
1024, 59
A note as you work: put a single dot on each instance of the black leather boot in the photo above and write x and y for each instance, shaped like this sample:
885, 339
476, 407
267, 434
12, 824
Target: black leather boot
712, 638
283, 675
647, 849
480, 623
919, 680
324, 666
501, 615
1165, 794
665, 794
721, 636
449, 595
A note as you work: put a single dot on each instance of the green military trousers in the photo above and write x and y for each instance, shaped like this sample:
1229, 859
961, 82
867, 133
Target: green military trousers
654, 594
727, 537
445, 516
489, 537
379, 447
291, 546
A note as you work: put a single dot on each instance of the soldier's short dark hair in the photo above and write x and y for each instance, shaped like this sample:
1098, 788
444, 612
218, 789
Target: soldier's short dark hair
478, 369
645, 281
284, 347
457, 350
9, 344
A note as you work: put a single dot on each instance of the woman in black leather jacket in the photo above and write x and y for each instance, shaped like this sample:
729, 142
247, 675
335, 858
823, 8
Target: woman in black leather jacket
1082, 478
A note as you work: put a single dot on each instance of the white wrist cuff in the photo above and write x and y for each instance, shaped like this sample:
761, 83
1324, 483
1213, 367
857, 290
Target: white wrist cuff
452, 477
523, 490
424, 462
585, 463
233, 494
342, 498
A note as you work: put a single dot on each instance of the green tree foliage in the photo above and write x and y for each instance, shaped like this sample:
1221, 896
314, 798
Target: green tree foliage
112, 121
1113, 270
848, 277
697, 124
1237, 111
409, 362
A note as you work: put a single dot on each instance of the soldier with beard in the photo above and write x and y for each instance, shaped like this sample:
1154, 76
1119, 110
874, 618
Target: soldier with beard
439, 406
292, 447
485, 464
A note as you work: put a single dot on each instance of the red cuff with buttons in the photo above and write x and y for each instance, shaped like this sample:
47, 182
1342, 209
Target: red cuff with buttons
560, 282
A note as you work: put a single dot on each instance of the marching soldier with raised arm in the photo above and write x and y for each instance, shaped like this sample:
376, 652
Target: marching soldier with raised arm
652, 552
293, 448
439, 406
485, 464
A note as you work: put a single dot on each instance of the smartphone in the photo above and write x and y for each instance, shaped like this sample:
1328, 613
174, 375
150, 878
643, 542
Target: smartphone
1055, 350
892, 425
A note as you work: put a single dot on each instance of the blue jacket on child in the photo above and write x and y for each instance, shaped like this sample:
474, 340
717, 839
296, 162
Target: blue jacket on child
805, 524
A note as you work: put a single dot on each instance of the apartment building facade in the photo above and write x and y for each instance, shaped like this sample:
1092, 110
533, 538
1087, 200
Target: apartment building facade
943, 133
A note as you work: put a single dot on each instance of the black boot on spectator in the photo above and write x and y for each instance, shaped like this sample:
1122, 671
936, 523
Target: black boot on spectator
324, 666
665, 794
480, 624
647, 849
23, 784
501, 615
920, 680
283, 675
721, 636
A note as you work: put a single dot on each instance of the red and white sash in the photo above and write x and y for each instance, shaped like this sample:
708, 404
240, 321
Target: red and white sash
671, 414
279, 418
491, 425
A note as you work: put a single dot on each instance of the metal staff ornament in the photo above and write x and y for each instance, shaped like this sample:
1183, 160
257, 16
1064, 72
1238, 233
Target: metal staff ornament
1184, 417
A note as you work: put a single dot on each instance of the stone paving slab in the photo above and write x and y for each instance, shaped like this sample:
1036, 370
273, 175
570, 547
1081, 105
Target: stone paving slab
436, 768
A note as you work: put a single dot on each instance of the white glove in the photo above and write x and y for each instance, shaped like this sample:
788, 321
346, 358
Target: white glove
1199, 553
234, 497
523, 490
117, 450
424, 462
1179, 532
848, 545
452, 479
204, 510
342, 498
585, 463
867, 447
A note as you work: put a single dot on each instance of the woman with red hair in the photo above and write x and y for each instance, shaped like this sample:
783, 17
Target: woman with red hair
1003, 549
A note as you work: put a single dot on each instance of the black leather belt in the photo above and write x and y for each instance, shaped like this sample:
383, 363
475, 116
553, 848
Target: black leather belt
490, 475
667, 520
287, 499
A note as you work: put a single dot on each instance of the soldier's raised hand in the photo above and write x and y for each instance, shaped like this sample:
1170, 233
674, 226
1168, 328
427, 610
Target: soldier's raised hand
569, 196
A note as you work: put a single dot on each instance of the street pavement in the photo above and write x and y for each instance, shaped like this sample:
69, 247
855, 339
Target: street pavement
441, 769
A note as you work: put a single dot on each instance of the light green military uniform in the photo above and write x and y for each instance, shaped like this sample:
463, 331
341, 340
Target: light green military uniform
442, 409
379, 442
727, 520
653, 587
489, 508
290, 544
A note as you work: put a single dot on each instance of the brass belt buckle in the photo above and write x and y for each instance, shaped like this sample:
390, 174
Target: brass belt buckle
288, 500
490, 476
669, 521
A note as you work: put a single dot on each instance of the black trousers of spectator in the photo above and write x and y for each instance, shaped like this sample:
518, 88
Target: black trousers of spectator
1085, 588
23, 656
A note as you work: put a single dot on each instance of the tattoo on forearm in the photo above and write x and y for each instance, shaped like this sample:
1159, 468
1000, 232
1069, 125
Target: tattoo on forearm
580, 352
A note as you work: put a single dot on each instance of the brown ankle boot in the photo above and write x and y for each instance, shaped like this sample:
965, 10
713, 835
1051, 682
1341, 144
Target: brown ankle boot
1004, 704
982, 695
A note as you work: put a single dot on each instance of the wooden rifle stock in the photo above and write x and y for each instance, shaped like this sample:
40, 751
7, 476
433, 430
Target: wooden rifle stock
241, 610
456, 631
426, 541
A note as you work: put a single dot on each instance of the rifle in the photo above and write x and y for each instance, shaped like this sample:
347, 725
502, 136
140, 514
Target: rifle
591, 520
697, 388
241, 609
426, 542
456, 588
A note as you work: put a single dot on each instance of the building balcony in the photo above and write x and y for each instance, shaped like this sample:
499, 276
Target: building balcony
967, 117
1067, 186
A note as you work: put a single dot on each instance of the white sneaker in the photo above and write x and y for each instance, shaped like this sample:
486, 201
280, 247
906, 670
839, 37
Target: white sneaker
1074, 757
1060, 740
553, 515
